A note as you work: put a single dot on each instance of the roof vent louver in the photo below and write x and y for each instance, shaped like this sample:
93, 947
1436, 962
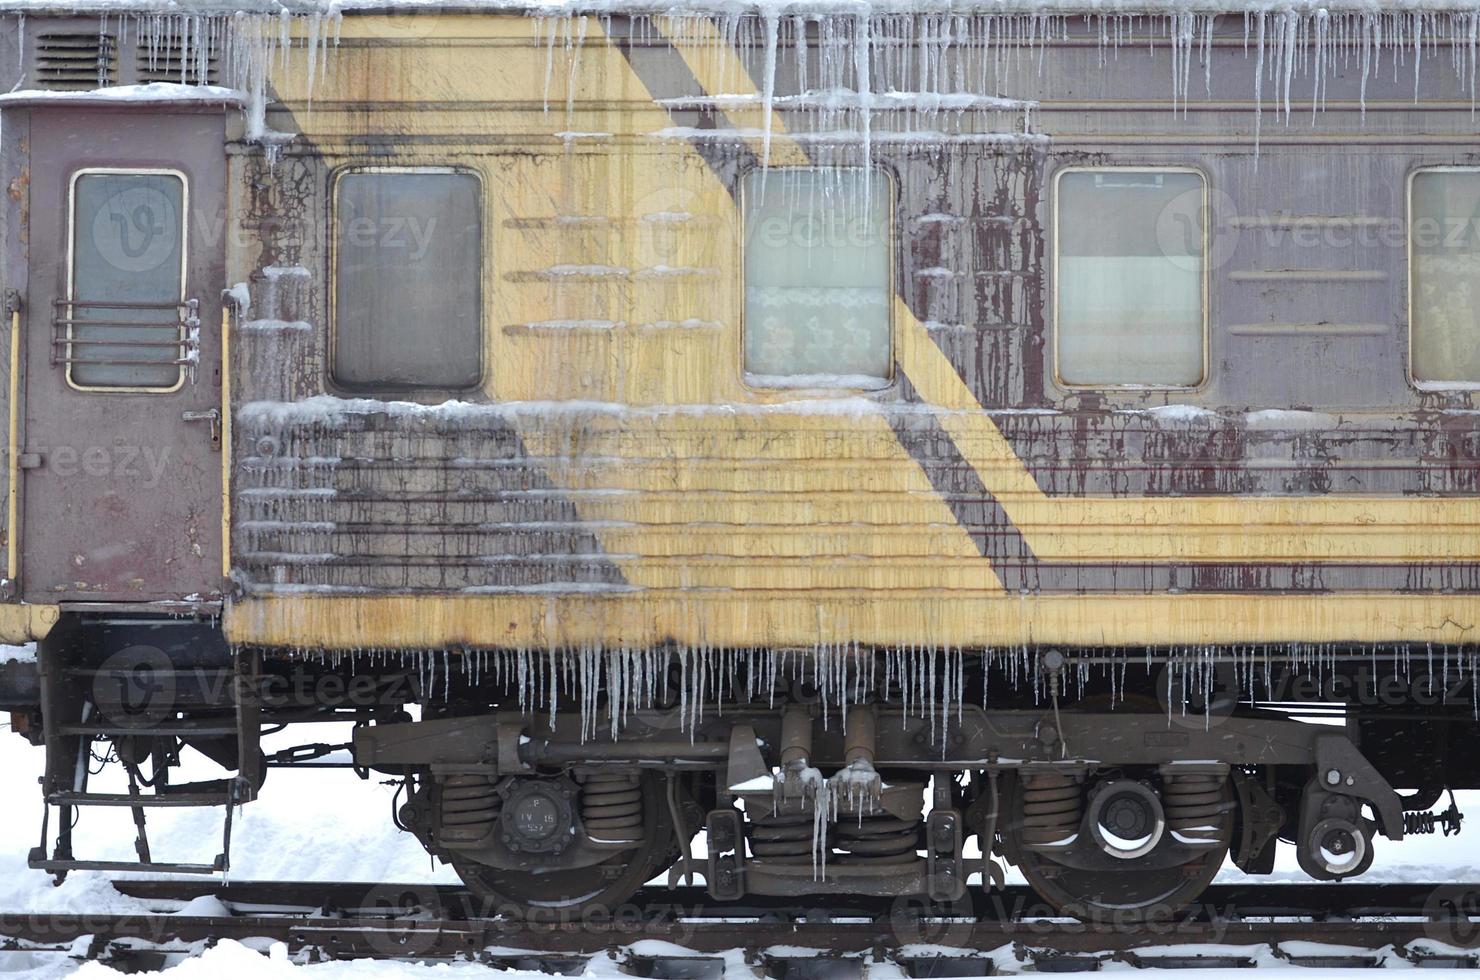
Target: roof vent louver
175, 60
76, 60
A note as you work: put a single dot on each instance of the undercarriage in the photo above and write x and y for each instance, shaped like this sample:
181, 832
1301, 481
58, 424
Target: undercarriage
1117, 782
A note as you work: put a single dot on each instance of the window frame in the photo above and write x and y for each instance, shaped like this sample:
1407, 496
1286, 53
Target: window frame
72, 231
383, 388
891, 379
1414, 382
1205, 373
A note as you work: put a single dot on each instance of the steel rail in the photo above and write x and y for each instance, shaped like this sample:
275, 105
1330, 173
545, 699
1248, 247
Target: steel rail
1453, 943
806, 939
1252, 900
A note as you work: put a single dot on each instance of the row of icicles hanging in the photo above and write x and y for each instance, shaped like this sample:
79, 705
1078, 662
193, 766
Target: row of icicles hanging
607, 685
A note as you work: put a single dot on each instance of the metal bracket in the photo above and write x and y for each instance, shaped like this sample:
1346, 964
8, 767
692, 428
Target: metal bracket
506, 741
211, 415
12, 301
1260, 819
745, 761
1342, 768
725, 873
942, 856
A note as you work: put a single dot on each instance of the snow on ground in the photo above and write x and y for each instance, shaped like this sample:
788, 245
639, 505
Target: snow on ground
311, 824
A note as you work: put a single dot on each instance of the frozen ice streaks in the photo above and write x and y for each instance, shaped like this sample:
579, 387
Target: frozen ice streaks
938, 73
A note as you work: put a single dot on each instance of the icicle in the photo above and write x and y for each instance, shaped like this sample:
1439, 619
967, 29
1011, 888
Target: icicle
768, 84
862, 55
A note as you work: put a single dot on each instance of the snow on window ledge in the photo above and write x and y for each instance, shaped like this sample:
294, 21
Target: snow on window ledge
794, 382
1441, 386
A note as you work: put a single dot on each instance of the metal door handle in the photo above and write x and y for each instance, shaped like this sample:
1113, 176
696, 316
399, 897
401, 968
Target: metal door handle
211, 415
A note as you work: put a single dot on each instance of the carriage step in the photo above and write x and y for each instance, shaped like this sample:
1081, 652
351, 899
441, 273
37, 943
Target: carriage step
125, 799
38, 861
142, 712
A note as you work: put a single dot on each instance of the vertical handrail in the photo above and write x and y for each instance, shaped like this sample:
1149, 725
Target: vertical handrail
226, 445
13, 449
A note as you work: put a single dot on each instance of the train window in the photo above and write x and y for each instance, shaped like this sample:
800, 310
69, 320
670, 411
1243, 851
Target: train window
1444, 291
123, 317
408, 273
1129, 296
817, 278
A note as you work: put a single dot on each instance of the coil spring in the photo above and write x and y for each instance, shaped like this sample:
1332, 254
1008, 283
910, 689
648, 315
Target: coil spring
470, 808
783, 839
611, 807
877, 840
1194, 801
1053, 805
1430, 821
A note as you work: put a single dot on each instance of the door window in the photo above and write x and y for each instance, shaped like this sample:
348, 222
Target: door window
123, 324
1128, 293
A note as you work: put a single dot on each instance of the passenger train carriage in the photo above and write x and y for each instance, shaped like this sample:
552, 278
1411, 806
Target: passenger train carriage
895, 443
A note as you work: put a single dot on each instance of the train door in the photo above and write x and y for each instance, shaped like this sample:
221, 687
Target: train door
121, 461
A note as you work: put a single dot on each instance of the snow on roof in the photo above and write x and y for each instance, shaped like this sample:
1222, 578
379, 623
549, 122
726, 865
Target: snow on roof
154, 92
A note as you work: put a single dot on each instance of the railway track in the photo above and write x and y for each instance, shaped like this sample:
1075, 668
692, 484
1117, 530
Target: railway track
678, 934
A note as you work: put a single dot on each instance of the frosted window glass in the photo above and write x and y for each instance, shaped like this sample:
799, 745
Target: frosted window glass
1130, 278
817, 291
1444, 225
128, 234
407, 280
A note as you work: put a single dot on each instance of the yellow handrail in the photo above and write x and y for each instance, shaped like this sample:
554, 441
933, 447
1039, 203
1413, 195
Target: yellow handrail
13, 454
225, 443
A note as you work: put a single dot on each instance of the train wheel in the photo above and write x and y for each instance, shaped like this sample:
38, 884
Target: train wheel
1120, 851
594, 891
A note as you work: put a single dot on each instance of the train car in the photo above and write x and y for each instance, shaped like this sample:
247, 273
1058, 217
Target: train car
894, 442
